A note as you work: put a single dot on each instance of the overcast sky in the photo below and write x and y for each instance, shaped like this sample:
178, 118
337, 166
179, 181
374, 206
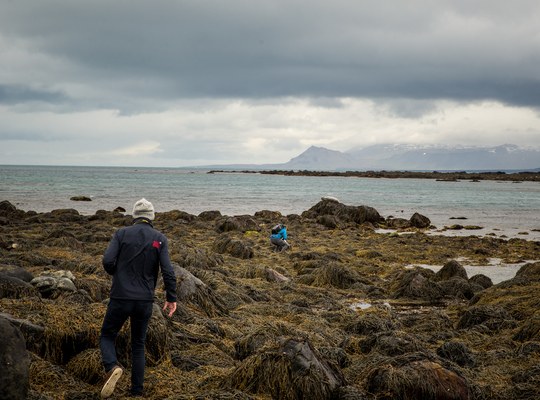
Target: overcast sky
194, 82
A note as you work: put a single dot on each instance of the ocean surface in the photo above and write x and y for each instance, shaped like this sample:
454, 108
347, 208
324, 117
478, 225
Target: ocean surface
501, 207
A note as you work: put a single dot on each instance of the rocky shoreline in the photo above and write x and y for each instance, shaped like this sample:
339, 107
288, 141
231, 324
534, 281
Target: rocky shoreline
440, 176
339, 316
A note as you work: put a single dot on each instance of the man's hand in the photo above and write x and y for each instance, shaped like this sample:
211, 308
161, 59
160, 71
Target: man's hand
171, 307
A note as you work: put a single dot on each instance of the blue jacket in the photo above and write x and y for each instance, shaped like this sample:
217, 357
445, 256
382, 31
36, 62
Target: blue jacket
133, 258
282, 234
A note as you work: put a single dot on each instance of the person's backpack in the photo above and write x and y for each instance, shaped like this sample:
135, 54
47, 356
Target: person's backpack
277, 228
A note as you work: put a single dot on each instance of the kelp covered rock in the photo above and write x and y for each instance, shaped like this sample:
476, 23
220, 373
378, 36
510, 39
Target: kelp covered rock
293, 371
356, 214
192, 290
409, 378
235, 247
418, 284
451, 269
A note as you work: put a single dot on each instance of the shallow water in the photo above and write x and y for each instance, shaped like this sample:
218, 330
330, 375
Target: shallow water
500, 207
496, 270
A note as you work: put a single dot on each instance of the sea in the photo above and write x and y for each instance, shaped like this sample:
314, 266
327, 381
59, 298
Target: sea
501, 208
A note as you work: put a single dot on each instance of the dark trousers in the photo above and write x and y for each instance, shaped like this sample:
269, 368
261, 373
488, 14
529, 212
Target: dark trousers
118, 311
280, 244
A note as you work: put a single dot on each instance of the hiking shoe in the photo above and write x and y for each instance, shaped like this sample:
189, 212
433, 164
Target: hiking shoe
110, 381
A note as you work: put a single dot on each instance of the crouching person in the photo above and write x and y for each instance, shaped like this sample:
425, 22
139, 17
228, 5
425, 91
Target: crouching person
279, 237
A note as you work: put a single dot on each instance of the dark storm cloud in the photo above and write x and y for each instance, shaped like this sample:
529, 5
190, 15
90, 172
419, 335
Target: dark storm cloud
163, 50
18, 94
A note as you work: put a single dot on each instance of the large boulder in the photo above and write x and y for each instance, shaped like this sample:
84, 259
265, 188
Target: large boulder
458, 353
356, 214
14, 362
177, 215
87, 366
332, 274
397, 223
9, 211
242, 223
210, 215
16, 272
6, 208
450, 270
371, 323
527, 274
235, 247
328, 221
292, 371
529, 330
65, 215
191, 289
14, 288
410, 378
269, 216
493, 318
481, 280
53, 283
417, 284
420, 221
391, 343
460, 288
265, 336
197, 258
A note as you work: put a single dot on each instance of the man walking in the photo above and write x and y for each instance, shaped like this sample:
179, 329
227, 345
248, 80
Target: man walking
133, 258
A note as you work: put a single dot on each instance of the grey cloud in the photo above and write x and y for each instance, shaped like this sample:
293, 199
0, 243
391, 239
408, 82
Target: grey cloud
19, 94
409, 108
326, 102
161, 51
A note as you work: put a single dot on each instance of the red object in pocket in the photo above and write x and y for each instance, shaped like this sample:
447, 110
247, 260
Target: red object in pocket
156, 244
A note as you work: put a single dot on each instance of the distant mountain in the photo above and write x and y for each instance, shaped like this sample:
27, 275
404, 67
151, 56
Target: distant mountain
322, 158
420, 158
408, 157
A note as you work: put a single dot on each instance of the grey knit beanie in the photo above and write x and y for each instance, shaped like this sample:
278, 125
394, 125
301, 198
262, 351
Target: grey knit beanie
143, 208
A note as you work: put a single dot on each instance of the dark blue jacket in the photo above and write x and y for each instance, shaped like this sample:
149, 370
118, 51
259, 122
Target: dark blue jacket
134, 257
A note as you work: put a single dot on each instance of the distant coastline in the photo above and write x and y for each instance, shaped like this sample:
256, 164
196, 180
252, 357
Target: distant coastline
440, 176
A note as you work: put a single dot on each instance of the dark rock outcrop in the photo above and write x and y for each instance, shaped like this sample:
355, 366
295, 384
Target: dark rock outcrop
397, 223
458, 353
459, 288
293, 371
416, 379
16, 272
493, 318
14, 288
418, 284
210, 215
356, 214
80, 198
242, 223
450, 270
192, 290
235, 247
420, 221
14, 362
481, 280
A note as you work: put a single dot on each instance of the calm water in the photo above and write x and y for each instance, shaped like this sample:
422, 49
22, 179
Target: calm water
501, 207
